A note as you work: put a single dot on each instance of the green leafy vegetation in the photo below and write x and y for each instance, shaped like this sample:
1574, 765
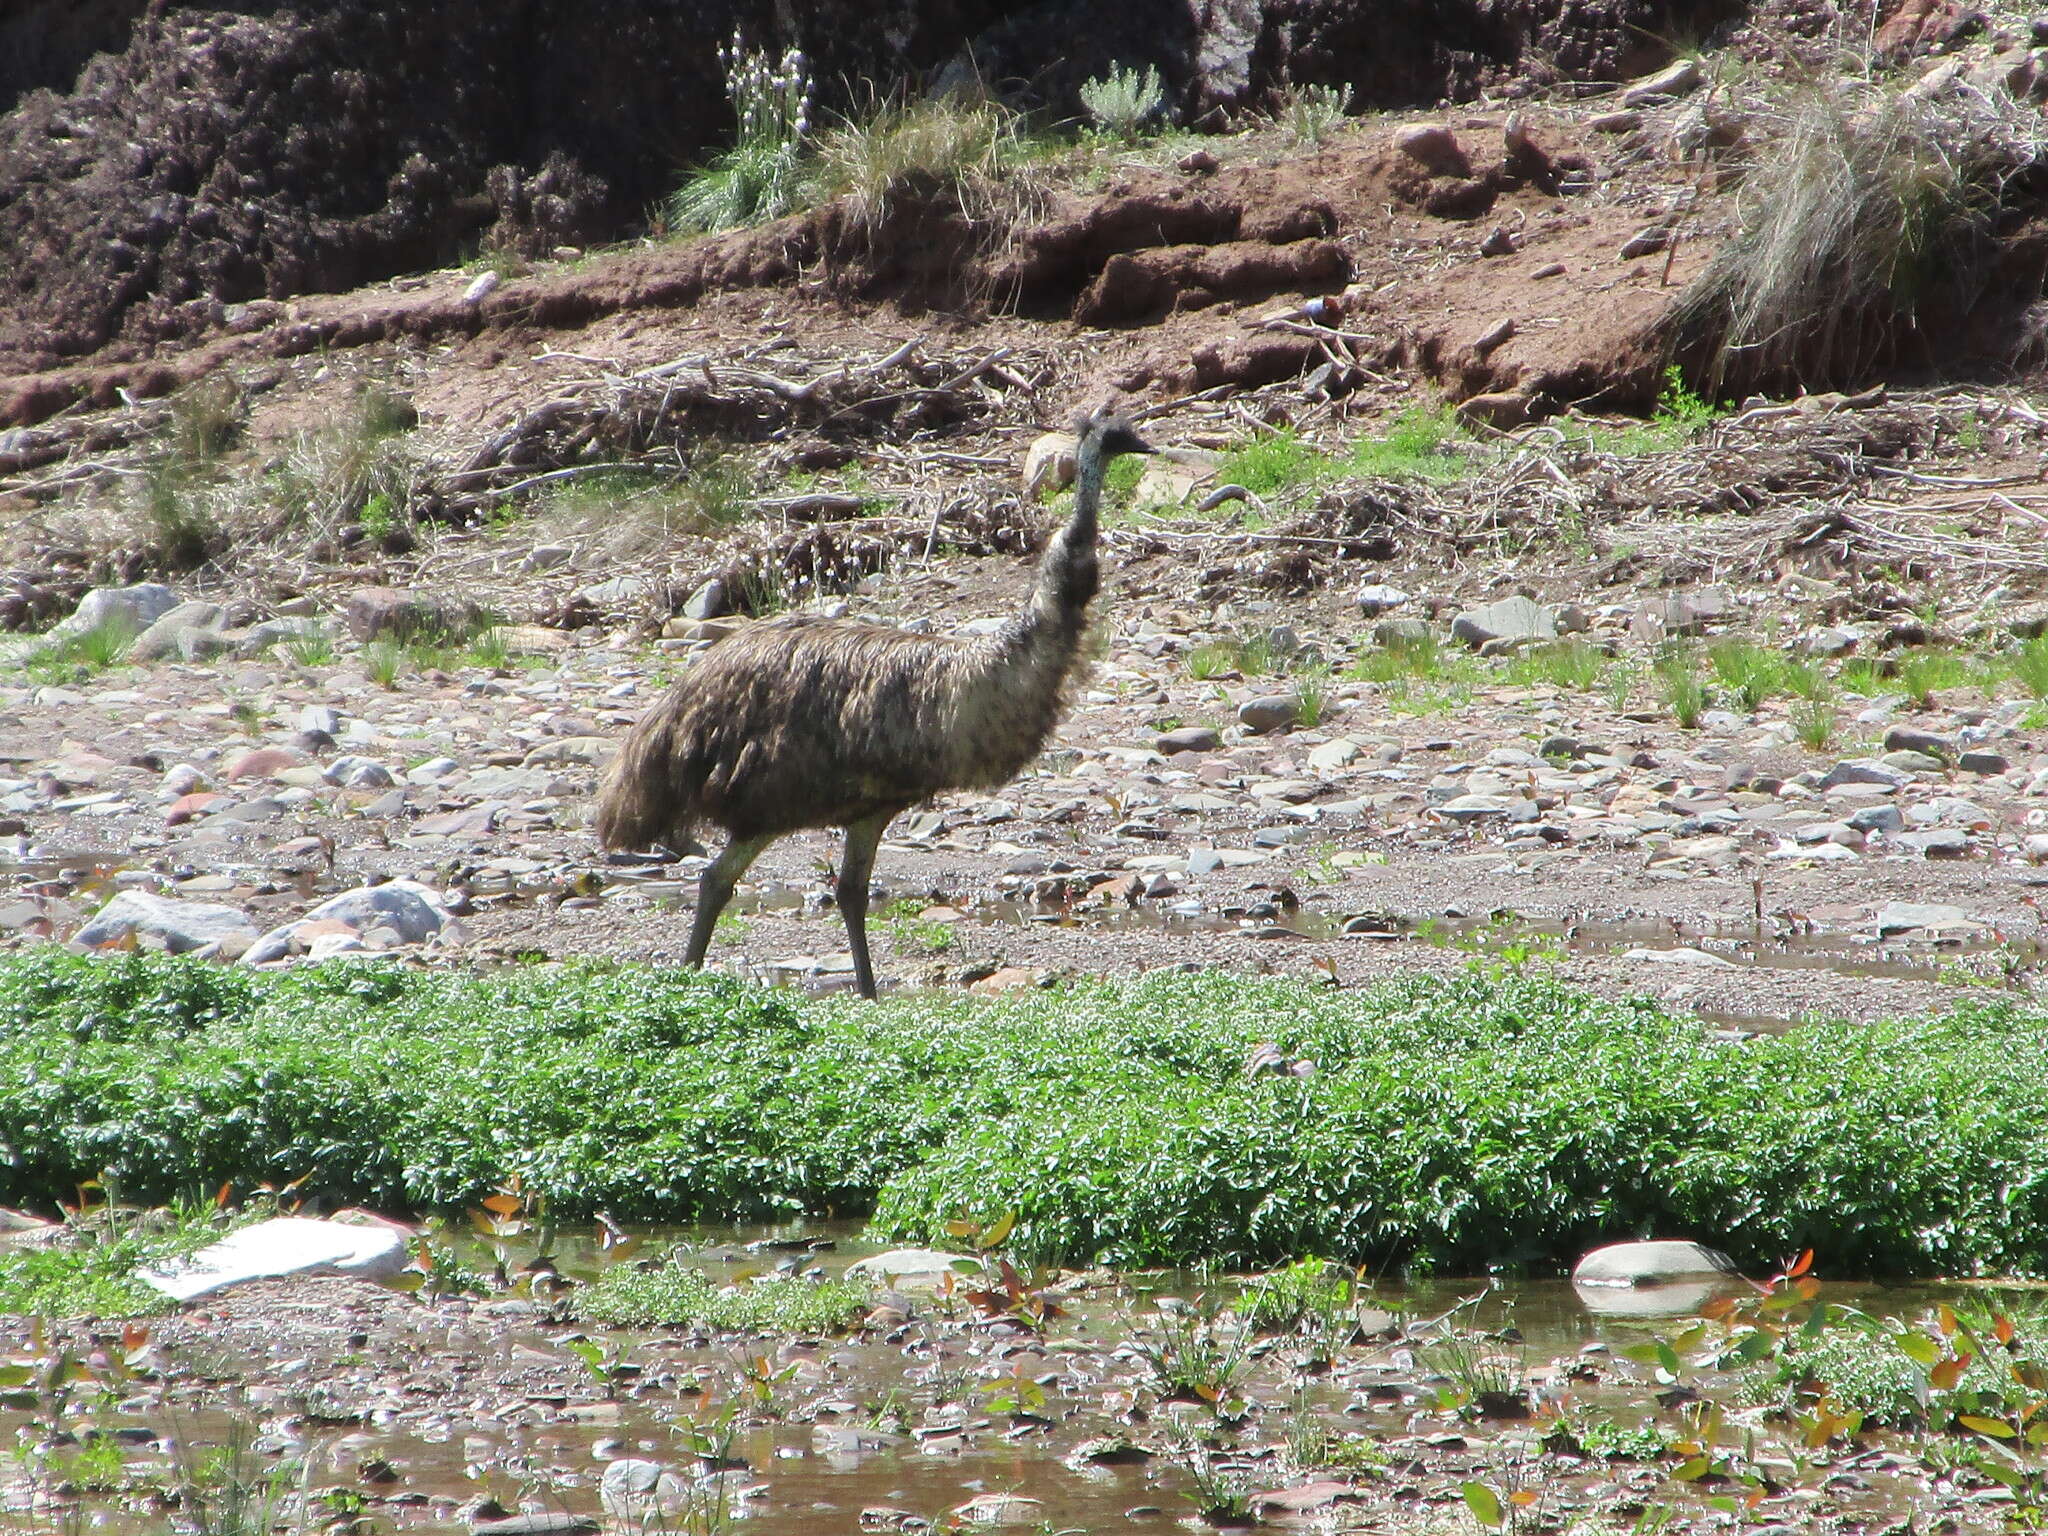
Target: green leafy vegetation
1496, 1117
1813, 720
91, 1271
1124, 102
309, 644
1751, 673
1312, 1292
1569, 663
1681, 687
671, 1292
82, 656
1269, 465
1415, 443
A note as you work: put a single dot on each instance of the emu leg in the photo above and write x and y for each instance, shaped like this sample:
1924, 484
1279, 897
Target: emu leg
855, 866
715, 890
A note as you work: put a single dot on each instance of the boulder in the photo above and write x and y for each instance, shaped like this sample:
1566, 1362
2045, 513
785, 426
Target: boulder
709, 601
1930, 918
641, 1495
179, 926
373, 613
912, 1268
572, 751
1395, 633
1378, 598
1650, 1263
1049, 464
1434, 147
1903, 738
1268, 713
1679, 613
1188, 738
263, 763
289, 1245
191, 631
1516, 620
411, 911
1674, 79
132, 609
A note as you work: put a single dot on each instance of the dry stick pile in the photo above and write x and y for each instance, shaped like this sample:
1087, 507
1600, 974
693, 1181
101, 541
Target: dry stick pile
1752, 499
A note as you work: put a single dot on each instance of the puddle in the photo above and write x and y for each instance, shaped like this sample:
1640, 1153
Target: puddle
882, 1431
1833, 952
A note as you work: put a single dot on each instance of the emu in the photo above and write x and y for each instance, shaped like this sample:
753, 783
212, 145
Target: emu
808, 722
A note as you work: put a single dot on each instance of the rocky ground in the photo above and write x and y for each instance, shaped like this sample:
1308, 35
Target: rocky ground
1332, 729
1179, 819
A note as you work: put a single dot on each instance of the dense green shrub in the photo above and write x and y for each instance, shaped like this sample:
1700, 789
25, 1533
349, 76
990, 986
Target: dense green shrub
1479, 1121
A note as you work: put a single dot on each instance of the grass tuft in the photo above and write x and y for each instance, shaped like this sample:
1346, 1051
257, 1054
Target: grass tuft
672, 1294
1881, 202
955, 145
1311, 113
1681, 687
1416, 443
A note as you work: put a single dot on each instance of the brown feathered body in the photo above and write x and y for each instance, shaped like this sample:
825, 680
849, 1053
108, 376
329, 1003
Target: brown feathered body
805, 722
823, 723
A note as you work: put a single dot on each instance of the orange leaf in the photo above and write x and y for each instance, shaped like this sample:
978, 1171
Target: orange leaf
1522, 1497
2002, 1329
1800, 1265
1945, 1315
504, 1205
1949, 1372
220, 1196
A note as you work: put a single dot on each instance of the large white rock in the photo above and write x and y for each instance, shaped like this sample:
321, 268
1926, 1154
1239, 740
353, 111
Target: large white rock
1651, 1263
1514, 619
179, 925
913, 1268
290, 1245
1049, 463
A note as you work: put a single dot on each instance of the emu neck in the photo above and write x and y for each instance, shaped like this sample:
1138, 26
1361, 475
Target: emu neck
1068, 575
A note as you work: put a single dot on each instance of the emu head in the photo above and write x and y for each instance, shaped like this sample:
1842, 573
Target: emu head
1113, 435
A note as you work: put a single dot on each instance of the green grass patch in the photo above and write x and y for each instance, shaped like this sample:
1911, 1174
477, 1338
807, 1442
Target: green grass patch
1569, 663
1280, 462
671, 1292
91, 1273
1486, 1119
1417, 442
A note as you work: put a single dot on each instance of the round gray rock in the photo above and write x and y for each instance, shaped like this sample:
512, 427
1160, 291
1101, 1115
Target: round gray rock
1269, 712
1188, 738
132, 608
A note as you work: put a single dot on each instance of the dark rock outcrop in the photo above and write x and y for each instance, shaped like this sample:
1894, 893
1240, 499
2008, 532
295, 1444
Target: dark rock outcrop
210, 155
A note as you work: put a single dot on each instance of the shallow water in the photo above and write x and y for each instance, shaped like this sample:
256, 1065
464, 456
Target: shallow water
916, 1419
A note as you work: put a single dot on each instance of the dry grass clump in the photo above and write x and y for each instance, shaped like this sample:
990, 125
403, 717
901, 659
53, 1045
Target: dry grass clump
1872, 204
962, 144
624, 516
